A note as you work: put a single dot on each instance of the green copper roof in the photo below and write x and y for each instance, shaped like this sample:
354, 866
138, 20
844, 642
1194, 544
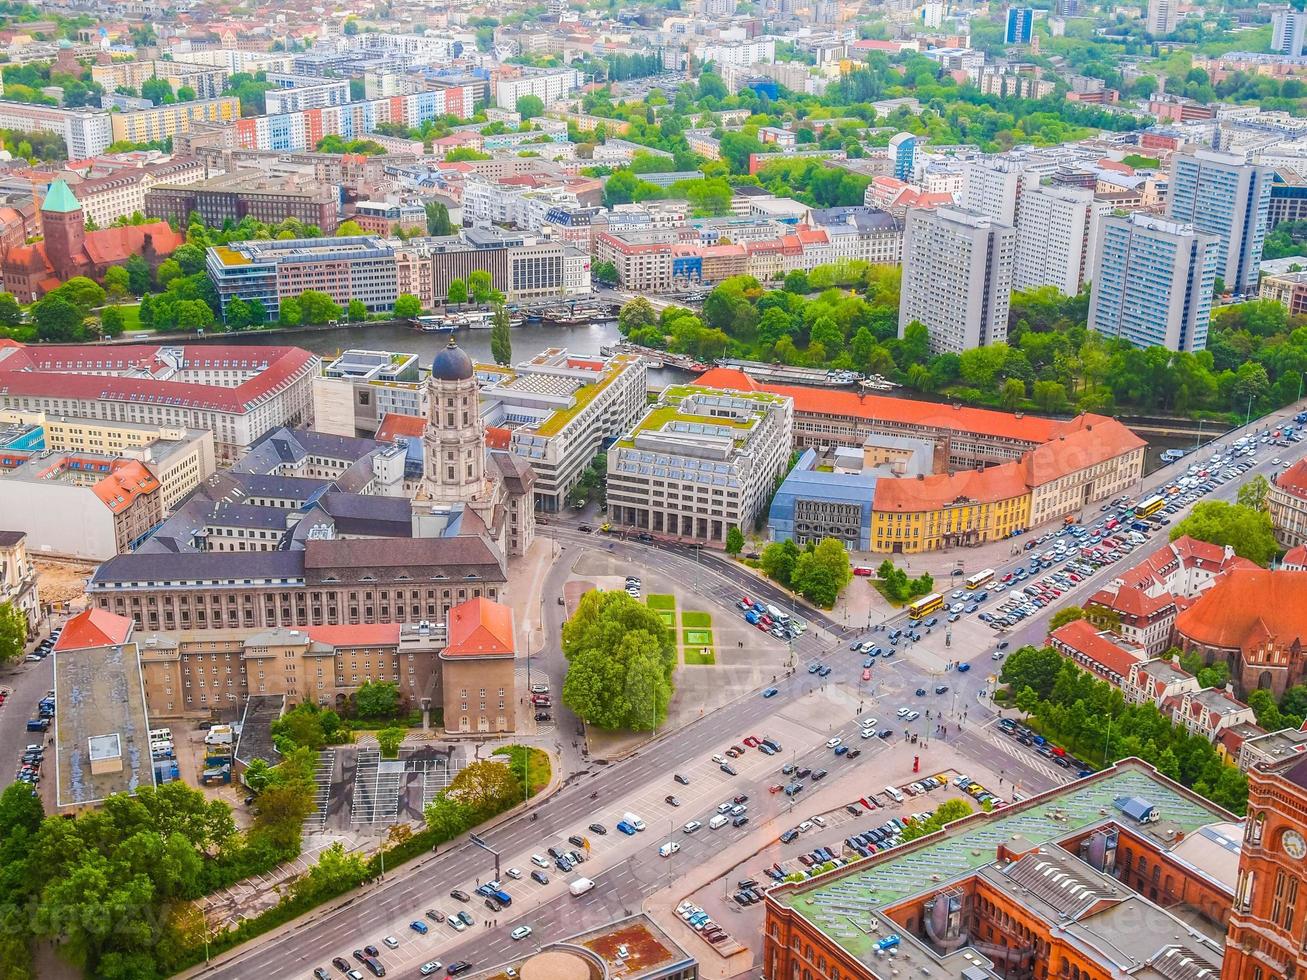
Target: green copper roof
59, 198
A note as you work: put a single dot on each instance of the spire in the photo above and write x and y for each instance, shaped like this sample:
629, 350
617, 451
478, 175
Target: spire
59, 198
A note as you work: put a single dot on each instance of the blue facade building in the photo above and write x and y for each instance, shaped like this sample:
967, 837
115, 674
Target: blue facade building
903, 154
1020, 24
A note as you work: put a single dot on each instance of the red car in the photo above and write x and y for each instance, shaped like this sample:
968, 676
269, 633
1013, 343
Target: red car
863, 571
747, 601
752, 741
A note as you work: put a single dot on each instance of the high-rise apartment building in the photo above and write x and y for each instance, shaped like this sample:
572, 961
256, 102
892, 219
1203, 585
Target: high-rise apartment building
1056, 229
957, 277
994, 185
1020, 24
1288, 31
902, 154
1163, 15
1221, 195
1153, 282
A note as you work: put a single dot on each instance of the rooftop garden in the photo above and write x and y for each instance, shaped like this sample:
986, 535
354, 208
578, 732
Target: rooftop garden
583, 397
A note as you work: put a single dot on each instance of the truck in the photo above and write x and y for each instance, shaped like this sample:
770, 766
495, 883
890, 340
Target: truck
580, 886
220, 735
216, 776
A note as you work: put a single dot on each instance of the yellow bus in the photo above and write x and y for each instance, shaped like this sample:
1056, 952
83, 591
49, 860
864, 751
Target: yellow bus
1149, 507
980, 578
926, 605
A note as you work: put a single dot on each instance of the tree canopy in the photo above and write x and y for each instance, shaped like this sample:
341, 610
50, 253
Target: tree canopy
1246, 530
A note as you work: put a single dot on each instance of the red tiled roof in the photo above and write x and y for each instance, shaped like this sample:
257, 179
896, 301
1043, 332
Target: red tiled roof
1295, 556
929, 493
1133, 602
1247, 607
498, 437
49, 373
356, 635
1085, 441
397, 424
94, 628
1294, 479
480, 628
1084, 638
129, 480
826, 401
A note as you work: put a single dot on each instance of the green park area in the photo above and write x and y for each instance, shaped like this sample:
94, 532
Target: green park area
694, 635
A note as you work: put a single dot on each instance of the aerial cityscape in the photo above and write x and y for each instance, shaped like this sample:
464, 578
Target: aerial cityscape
653, 490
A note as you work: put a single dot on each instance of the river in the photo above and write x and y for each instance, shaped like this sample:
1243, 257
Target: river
529, 340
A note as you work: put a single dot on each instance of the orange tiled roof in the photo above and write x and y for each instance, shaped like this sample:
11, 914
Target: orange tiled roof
394, 425
129, 480
356, 635
480, 628
1083, 442
929, 493
1296, 556
1247, 607
498, 437
94, 628
1083, 637
1294, 479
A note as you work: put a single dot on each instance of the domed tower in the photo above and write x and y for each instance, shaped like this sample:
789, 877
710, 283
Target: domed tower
455, 439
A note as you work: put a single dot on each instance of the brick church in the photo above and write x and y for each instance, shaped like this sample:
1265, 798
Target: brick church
68, 249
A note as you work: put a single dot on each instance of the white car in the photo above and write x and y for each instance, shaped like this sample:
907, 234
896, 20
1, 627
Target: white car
868, 733
832, 742
691, 827
912, 716
668, 849
521, 932
1275, 461
513, 873
458, 924
903, 712
680, 909
719, 759
869, 722
539, 861
805, 826
430, 967
819, 821
391, 942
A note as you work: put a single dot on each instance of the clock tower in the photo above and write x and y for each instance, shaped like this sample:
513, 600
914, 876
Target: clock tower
1267, 937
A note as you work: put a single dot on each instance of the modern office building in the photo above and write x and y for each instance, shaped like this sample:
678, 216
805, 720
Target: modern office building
248, 193
1056, 233
957, 277
1123, 873
1288, 31
902, 155
699, 463
1153, 282
238, 393
1222, 195
1163, 16
1020, 25
358, 389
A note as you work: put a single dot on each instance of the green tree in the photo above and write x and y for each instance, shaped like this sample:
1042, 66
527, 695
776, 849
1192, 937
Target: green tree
13, 632
636, 314
620, 661
334, 873
407, 306
112, 323
356, 311
734, 540
117, 281
485, 787
377, 699
1246, 530
604, 272
480, 285
1253, 494
446, 817
779, 559
258, 774
1068, 614
290, 314
11, 314
389, 739
169, 269
438, 222
944, 814
501, 337
57, 319
138, 275
530, 106
1030, 667
457, 292
821, 572
318, 307
1012, 393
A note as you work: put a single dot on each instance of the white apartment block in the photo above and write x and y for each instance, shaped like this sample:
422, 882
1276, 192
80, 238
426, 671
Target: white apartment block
280, 100
700, 462
994, 185
957, 277
738, 55
547, 84
1055, 231
86, 132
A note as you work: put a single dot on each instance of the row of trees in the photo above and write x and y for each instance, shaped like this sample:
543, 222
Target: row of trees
1244, 527
1091, 718
898, 587
818, 571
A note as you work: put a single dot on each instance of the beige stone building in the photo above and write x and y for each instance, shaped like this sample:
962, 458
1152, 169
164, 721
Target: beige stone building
477, 669
18, 578
1287, 501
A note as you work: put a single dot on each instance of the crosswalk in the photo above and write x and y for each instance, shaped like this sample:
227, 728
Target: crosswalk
1023, 754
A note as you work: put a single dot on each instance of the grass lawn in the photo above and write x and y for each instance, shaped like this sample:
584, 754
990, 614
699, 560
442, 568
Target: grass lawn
697, 658
881, 587
700, 620
132, 318
659, 601
668, 617
698, 638
526, 760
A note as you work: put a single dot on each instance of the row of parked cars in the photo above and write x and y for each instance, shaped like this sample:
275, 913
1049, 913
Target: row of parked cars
1041, 746
29, 764
702, 922
770, 619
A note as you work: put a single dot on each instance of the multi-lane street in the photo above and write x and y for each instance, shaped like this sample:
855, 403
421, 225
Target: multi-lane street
628, 869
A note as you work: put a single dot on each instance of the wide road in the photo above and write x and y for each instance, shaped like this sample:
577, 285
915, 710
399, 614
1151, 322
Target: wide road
628, 869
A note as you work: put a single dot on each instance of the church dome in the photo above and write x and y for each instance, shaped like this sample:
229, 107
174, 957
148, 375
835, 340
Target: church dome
451, 364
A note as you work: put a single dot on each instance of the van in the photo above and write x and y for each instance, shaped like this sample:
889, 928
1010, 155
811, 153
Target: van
580, 886
634, 821
777, 615
160, 734
503, 898
38, 724
719, 820
893, 794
